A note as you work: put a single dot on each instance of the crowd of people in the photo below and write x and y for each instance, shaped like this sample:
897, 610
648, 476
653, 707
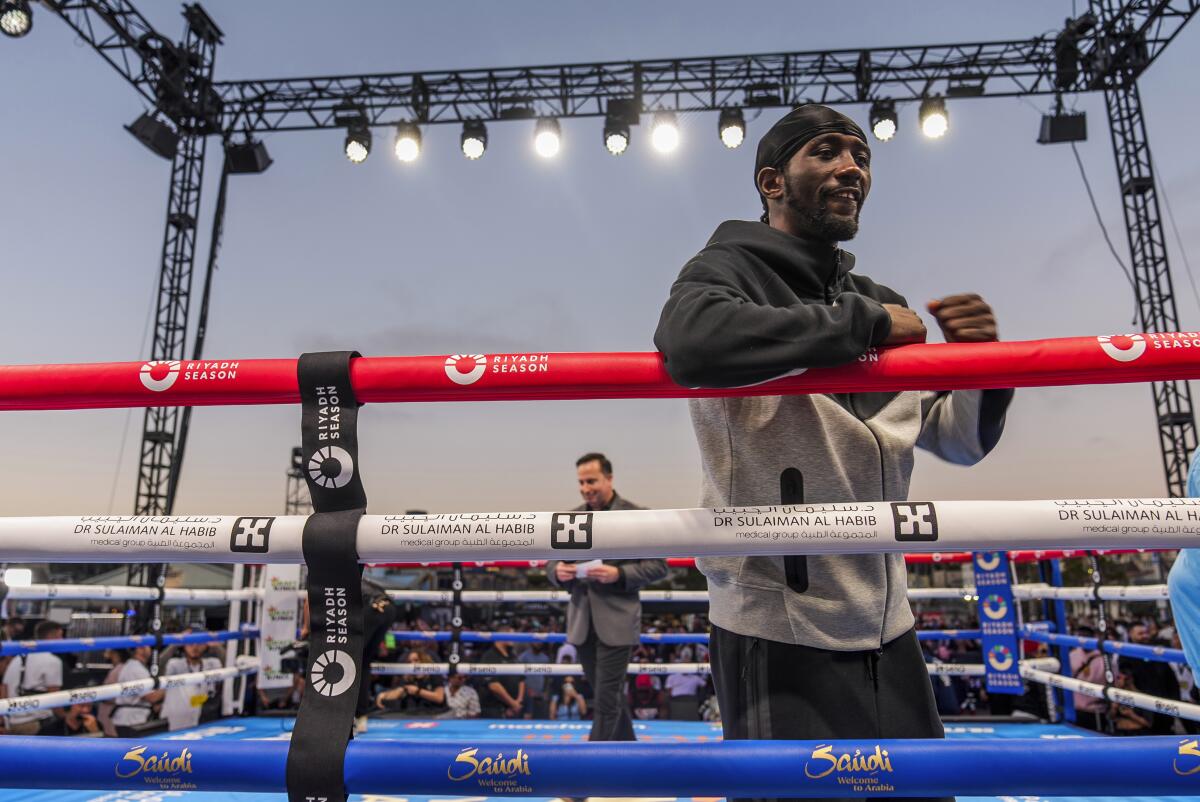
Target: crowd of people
124, 717
958, 695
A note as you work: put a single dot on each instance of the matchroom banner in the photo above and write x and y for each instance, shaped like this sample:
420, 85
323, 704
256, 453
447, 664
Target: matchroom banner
998, 622
277, 626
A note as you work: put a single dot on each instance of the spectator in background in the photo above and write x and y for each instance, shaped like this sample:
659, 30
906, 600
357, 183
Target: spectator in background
1088, 665
13, 629
1152, 677
1127, 720
503, 695
105, 709
38, 672
461, 699
417, 694
79, 721
130, 712
684, 691
182, 706
535, 684
646, 698
1185, 677
568, 704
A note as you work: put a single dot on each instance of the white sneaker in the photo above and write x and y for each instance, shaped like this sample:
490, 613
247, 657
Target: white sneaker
360, 725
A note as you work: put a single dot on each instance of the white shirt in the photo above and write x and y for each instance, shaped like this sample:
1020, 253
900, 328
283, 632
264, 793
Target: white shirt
464, 703
42, 671
181, 706
126, 713
685, 684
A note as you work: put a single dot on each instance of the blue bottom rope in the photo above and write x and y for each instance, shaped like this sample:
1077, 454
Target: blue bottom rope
1027, 766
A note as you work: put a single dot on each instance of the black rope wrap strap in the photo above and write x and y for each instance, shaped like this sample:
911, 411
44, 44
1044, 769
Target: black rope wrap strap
325, 721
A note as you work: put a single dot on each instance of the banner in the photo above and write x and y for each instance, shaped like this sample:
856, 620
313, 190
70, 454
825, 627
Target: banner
279, 623
998, 623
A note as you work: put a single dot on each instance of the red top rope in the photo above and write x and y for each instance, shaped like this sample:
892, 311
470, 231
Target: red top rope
546, 376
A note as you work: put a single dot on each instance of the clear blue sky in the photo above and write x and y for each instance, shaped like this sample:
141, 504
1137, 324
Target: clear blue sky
514, 253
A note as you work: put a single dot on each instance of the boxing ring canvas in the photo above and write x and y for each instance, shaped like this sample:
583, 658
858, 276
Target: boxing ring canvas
478, 731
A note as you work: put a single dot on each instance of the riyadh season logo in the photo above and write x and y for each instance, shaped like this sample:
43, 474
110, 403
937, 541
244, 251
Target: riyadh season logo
1127, 347
994, 607
333, 673
1000, 657
987, 560
465, 368
331, 467
159, 375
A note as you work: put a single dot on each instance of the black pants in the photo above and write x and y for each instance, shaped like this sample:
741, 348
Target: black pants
376, 623
777, 691
606, 668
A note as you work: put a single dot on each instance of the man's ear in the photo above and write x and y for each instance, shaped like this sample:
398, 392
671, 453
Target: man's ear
770, 183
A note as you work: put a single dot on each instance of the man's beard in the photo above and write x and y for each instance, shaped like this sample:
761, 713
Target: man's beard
823, 225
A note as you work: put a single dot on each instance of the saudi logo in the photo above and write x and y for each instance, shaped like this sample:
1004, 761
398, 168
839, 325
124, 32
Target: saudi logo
987, 560
1000, 657
465, 368
1123, 353
331, 467
333, 673
994, 607
160, 374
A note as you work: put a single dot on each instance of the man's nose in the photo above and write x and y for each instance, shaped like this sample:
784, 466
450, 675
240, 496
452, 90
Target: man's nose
849, 169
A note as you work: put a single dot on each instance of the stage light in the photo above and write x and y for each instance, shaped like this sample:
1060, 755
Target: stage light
358, 143
474, 139
547, 137
664, 133
732, 127
16, 18
616, 135
883, 119
408, 142
18, 577
934, 119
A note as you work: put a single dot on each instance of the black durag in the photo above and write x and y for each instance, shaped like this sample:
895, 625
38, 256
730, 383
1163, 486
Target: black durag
797, 128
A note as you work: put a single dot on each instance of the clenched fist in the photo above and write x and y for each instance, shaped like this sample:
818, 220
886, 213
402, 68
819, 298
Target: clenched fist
965, 319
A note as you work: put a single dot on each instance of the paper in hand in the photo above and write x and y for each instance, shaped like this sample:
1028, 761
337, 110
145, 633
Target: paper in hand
581, 569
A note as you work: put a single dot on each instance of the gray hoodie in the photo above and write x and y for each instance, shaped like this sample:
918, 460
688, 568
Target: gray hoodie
757, 304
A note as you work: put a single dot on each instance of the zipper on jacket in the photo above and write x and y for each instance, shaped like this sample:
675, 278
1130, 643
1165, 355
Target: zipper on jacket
837, 271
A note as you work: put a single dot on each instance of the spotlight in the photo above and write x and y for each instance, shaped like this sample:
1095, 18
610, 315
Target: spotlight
408, 142
933, 117
664, 133
474, 139
547, 137
18, 577
616, 136
732, 127
358, 143
16, 18
883, 119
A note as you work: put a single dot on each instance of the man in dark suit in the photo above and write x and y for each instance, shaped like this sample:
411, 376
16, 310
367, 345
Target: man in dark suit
604, 618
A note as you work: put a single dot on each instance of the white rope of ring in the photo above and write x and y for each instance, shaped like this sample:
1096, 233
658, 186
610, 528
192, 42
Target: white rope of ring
123, 690
733, 531
575, 669
183, 596
1144, 701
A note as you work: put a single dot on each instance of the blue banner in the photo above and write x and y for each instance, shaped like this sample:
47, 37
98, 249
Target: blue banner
998, 623
771, 769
